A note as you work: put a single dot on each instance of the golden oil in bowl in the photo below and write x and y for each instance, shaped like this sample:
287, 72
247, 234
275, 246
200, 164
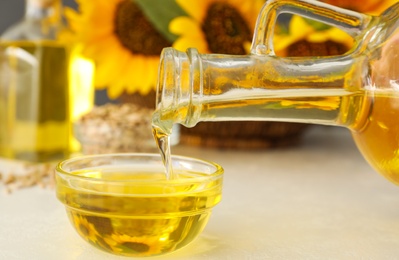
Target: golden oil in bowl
123, 204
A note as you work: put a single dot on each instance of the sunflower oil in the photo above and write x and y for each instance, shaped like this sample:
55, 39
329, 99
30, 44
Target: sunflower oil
43, 85
378, 139
151, 219
162, 141
329, 106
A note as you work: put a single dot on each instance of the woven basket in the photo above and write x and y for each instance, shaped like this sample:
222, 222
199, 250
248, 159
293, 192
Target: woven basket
243, 135
147, 101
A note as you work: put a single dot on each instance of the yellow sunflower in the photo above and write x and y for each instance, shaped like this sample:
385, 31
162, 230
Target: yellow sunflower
373, 7
216, 26
304, 39
299, 30
85, 229
123, 43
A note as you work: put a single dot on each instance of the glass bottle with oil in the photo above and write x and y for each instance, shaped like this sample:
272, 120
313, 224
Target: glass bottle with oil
44, 84
358, 90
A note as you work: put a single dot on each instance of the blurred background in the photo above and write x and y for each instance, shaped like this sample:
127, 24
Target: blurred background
13, 10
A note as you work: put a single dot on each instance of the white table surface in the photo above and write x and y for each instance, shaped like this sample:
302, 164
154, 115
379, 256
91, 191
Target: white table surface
319, 200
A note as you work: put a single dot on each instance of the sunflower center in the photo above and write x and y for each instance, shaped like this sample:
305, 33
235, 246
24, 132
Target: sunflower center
136, 32
354, 6
225, 29
85, 231
136, 246
304, 48
103, 225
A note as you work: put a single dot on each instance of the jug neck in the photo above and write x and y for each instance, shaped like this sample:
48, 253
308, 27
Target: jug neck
215, 87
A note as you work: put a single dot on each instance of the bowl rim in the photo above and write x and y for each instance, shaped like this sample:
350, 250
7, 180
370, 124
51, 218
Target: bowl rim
217, 173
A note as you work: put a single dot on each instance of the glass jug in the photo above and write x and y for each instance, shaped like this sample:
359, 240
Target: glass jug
358, 90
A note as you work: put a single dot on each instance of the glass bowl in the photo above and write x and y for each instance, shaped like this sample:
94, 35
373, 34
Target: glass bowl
123, 203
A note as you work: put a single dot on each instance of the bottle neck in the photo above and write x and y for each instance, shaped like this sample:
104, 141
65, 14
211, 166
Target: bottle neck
42, 21
43, 9
213, 87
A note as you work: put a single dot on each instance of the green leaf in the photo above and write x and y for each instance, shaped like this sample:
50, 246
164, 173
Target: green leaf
276, 105
317, 25
161, 13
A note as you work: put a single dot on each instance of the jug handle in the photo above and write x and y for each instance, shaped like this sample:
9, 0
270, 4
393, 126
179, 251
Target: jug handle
351, 22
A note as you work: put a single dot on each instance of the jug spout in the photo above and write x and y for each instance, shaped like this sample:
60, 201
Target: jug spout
195, 87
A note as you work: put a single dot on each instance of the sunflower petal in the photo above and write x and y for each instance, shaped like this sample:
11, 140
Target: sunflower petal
136, 72
299, 28
341, 36
333, 34
196, 9
109, 67
115, 91
143, 79
153, 71
185, 25
183, 43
